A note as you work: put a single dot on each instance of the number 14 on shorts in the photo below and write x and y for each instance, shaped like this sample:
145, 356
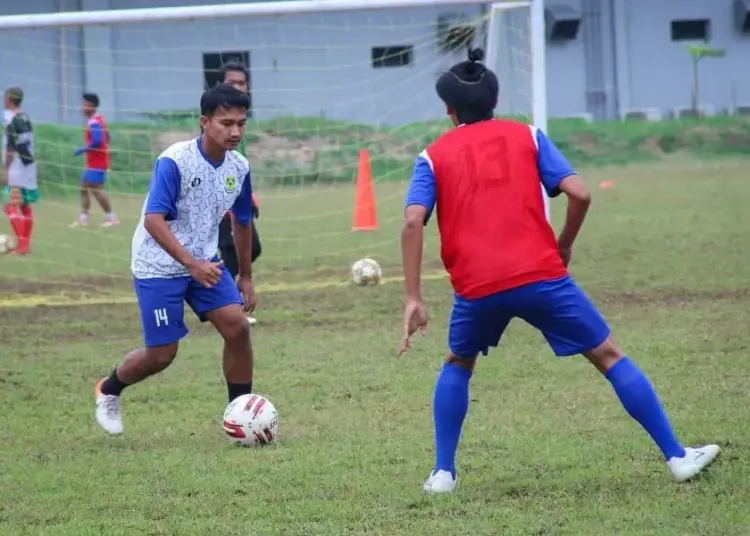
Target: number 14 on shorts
161, 317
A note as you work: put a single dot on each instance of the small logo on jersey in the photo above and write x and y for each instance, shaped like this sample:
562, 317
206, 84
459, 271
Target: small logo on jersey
230, 183
196, 182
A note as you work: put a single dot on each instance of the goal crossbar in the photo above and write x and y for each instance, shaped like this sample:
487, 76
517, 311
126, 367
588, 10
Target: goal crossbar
220, 11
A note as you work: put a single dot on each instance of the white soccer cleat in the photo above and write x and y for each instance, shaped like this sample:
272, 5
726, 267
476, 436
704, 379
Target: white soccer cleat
108, 411
251, 320
440, 482
694, 461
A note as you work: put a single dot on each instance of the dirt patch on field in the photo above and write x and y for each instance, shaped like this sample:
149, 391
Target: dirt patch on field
43, 326
270, 149
267, 149
96, 286
276, 150
704, 133
162, 140
652, 146
672, 298
588, 143
391, 148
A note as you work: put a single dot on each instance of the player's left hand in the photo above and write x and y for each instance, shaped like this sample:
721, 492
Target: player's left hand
415, 319
78, 152
566, 254
247, 289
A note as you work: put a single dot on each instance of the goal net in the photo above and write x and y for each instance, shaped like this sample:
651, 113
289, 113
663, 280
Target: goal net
338, 97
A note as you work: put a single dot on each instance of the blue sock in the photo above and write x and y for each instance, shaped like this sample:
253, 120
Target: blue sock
449, 406
640, 401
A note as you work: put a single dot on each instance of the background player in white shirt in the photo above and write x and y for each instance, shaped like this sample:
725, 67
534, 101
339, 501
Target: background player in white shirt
20, 189
174, 260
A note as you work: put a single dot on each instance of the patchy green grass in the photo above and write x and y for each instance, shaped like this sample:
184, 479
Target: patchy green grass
547, 450
305, 151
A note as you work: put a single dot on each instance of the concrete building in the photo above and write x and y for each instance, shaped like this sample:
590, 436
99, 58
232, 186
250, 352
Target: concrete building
605, 57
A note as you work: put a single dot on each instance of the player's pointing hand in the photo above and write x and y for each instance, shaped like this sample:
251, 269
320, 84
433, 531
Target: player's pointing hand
415, 319
206, 273
247, 289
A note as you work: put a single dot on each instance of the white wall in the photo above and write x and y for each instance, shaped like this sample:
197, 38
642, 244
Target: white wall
566, 79
661, 70
304, 65
307, 65
316, 65
31, 59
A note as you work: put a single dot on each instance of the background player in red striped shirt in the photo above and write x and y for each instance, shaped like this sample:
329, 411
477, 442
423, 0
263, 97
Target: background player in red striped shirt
96, 149
505, 262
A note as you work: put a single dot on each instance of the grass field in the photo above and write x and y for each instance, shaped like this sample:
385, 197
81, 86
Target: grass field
313, 150
547, 449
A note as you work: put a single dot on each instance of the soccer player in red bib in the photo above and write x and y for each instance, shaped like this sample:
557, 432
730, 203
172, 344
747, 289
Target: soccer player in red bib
505, 262
97, 163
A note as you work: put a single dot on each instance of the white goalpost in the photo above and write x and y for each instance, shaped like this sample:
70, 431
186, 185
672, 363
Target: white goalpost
329, 79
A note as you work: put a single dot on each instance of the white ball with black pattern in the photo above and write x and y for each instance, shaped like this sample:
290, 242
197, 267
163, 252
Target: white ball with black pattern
7, 243
366, 272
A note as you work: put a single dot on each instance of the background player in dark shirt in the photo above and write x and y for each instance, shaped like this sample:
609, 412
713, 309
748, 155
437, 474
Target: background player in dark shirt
236, 74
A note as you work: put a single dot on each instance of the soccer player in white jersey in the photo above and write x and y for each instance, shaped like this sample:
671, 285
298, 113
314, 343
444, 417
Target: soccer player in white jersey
20, 189
174, 260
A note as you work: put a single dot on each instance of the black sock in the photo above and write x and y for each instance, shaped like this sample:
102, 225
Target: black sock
239, 389
113, 385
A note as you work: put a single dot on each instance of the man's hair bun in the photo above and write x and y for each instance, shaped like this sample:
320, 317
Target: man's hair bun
476, 54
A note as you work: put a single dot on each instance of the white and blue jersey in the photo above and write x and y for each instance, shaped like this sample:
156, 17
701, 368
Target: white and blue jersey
194, 194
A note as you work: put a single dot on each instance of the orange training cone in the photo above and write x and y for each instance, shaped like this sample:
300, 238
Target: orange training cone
365, 216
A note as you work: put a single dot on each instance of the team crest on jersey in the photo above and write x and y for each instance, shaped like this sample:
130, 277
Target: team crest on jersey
230, 183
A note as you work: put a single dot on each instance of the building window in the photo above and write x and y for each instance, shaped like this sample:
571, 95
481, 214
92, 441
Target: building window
392, 56
691, 30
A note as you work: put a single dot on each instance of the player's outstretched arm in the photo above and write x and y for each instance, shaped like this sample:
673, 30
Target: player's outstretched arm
97, 137
10, 148
161, 206
412, 241
420, 201
579, 200
156, 225
242, 228
558, 176
23, 138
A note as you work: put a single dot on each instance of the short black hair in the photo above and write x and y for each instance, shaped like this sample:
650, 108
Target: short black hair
233, 66
15, 95
91, 98
223, 96
470, 89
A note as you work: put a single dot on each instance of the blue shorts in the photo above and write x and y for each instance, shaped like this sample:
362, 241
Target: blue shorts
161, 303
558, 308
93, 176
